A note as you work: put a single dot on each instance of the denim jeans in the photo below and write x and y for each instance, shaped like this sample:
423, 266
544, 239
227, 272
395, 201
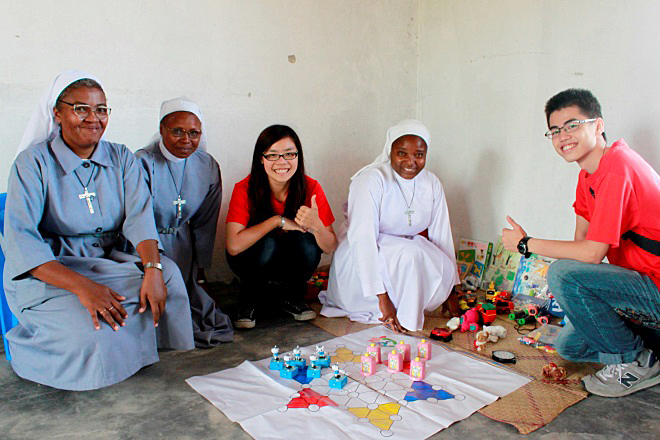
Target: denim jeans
609, 308
284, 259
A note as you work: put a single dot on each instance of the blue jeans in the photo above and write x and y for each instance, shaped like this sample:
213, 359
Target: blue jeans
613, 311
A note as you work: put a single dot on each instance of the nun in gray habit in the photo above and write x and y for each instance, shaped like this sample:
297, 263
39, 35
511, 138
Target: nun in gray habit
89, 315
186, 187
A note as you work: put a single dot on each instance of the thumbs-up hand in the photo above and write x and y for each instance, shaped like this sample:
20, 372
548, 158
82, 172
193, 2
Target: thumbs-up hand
308, 217
511, 237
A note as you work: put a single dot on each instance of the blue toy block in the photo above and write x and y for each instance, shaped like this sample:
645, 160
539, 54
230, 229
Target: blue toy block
300, 363
323, 361
313, 372
276, 365
338, 383
288, 372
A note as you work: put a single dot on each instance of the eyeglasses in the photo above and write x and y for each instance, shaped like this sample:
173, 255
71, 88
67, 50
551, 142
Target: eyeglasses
273, 157
180, 132
83, 110
568, 127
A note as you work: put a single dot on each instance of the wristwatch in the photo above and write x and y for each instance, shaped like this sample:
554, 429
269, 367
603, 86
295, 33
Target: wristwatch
282, 220
522, 246
154, 265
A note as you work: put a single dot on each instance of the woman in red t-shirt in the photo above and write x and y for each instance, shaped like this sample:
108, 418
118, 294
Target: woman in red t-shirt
279, 222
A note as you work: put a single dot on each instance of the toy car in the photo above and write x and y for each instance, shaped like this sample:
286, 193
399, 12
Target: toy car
503, 306
488, 313
441, 334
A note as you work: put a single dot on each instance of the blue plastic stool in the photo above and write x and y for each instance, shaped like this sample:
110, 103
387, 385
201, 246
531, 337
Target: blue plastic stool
7, 319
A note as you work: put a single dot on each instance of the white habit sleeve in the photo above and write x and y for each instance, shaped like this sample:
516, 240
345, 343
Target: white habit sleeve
364, 200
440, 227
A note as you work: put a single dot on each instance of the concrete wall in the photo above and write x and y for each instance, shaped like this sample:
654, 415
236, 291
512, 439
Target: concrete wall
476, 72
340, 73
486, 69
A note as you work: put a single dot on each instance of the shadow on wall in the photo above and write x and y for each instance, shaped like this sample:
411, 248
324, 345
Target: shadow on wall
648, 145
471, 202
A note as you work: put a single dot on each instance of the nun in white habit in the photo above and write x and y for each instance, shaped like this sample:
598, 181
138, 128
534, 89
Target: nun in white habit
186, 187
89, 314
385, 269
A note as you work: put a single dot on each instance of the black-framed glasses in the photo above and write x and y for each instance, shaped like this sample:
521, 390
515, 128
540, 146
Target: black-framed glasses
178, 132
568, 127
83, 110
274, 157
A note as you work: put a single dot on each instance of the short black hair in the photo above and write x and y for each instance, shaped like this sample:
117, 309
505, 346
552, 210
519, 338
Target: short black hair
79, 84
582, 98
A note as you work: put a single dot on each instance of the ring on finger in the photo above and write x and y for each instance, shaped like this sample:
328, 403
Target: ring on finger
111, 308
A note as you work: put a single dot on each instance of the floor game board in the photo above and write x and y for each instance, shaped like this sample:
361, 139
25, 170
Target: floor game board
384, 405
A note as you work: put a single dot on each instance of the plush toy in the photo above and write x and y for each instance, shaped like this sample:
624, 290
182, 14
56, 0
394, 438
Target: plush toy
480, 340
495, 330
553, 372
453, 323
489, 334
470, 321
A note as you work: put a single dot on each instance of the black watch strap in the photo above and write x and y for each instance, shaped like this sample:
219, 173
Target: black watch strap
522, 246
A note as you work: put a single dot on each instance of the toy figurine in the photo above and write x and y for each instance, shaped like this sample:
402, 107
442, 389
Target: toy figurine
276, 363
424, 350
338, 379
463, 305
394, 362
288, 371
314, 370
368, 364
322, 360
374, 350
490, 293
298, 360
404, 349
417, 369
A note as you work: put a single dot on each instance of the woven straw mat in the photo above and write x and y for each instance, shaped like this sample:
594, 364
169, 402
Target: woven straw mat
529, 407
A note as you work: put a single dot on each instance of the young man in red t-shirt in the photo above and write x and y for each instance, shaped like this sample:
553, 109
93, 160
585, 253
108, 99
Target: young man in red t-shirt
613, 309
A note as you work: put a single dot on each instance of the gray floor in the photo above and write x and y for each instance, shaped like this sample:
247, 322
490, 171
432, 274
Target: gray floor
157, 403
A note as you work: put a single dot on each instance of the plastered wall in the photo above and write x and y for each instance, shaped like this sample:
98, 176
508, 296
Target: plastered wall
486, 69
341, 72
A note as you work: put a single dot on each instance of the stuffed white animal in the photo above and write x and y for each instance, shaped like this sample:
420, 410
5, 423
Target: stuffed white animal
490, 333
495, 330
453, 323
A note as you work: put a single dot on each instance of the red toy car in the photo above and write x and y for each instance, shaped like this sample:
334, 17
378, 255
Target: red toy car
503, 306
488, 313
441, 334
503, 303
